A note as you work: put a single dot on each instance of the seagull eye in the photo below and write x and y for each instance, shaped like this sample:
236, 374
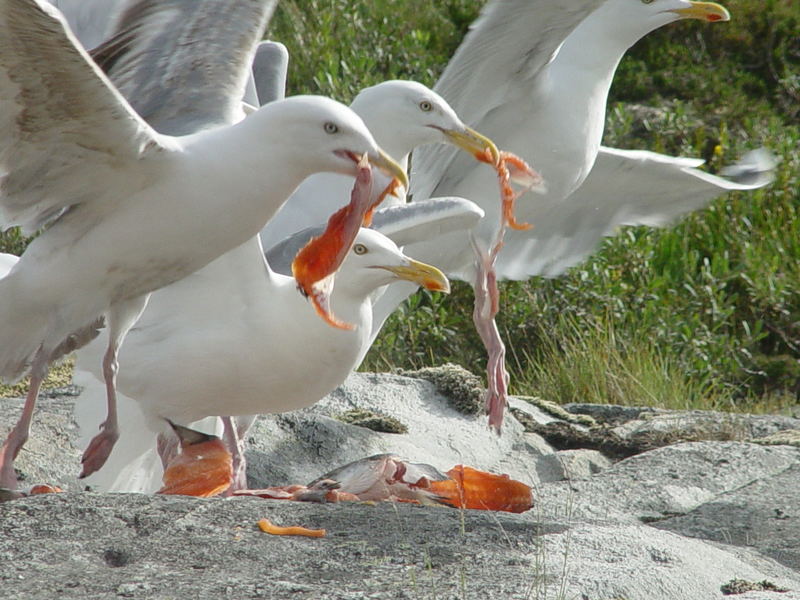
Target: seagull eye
360, 249
647, 1
426, 106
331, 127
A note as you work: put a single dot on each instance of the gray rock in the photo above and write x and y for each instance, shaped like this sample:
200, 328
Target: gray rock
136, 546
733, 492
300, 446
785, 437
571, 465
609, 413
631, 422
763, 514
676, 522
50, 455
541, 412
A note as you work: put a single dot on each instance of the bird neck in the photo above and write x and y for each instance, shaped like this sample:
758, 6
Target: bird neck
579, 79
581, 62
351, 306
397, 145
261, 170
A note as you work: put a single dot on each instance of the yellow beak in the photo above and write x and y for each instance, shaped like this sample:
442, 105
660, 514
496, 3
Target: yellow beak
705, 11
473, 142
427, 276
390, 166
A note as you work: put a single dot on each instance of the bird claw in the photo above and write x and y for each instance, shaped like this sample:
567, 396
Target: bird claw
98, 451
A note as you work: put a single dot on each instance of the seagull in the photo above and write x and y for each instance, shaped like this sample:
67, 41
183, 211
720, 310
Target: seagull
91, 21
534, 76
134, 464
123, 209
241, 341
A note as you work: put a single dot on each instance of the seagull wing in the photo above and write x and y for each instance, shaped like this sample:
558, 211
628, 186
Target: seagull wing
625, 187
403, 224
7, 262
418, 221
64, 129
90, 20
270, 67
502, 57
184, 64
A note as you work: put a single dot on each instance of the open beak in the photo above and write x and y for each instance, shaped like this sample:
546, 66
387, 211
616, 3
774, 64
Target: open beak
389, 166
473, 142
705, 11
427, 276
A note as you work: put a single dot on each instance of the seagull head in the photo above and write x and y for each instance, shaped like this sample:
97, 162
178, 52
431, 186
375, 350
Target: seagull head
703, 11
405, 114
626, 21
375, 261
320, 134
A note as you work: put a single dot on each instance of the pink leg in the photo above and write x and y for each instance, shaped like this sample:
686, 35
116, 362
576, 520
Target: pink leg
101, 445
487, 305
19, 435
232, 436
121, 317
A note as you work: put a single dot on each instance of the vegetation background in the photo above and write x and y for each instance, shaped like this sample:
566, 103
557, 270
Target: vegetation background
705, 314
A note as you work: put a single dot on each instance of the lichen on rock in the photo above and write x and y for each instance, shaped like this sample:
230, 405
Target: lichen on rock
372, 420
463, 390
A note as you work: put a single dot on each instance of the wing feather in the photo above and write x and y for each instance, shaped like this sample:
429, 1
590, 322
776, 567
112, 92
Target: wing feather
625, 187
503, 56
64, 129
184, 64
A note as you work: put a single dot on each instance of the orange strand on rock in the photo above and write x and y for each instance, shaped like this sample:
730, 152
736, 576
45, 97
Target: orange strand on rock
267, 527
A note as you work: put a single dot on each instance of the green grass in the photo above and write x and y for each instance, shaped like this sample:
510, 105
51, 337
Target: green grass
705, 314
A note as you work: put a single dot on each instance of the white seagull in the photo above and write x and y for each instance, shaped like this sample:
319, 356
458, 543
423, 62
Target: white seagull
217, 343
534, 76
124, 209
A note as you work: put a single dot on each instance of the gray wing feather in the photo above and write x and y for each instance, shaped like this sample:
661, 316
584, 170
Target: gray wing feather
420, 221
184, 63
90, 20
403, 224
270, 67
280, 256
64, 129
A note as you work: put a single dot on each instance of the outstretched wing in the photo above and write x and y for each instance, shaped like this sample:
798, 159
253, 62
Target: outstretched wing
403, 224
184, 64
64, 130
625, 187
90, 20
500, 60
